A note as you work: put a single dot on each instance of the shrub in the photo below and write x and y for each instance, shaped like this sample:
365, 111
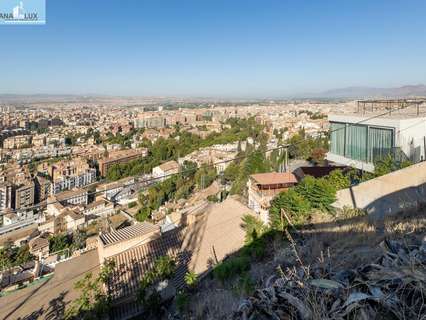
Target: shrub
318, 155
245, 284
59, 242
212, 198
253, 227
231, 267
131, 205
338, 180
191, 279
348, 213
255, 249
143, 214
163, 268
182, 301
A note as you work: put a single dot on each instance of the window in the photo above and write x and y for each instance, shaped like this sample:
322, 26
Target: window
360, 142
380, 143
338, 138
356, 142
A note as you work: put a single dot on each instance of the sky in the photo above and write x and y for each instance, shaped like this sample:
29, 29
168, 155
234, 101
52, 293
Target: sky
221, 48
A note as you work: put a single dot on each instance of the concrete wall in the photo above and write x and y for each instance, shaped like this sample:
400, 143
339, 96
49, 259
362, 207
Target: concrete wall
395, 192
409, 137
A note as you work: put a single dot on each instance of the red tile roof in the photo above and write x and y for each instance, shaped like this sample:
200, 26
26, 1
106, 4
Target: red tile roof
132, 264
274, 178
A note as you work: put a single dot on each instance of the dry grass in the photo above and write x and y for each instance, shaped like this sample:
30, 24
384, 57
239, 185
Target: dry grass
354, 240
346, 241
212, 301
342, 269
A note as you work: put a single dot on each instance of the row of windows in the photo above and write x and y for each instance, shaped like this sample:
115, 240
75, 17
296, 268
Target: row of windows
360, 142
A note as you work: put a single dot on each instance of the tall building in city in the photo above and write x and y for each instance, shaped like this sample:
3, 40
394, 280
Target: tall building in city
6, 193
69, 174
121, 156
150, 121
43, 188
24, 195
17, 188
17, 142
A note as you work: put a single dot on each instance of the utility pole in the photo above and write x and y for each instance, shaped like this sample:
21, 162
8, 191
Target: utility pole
202, 182
286, 160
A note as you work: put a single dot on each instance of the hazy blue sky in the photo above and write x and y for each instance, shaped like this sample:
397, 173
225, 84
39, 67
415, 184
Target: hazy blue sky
215, 47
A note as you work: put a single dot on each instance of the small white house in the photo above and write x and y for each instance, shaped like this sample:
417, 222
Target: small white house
162, 171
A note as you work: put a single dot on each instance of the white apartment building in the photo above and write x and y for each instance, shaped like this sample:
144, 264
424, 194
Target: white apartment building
100, 208
5, 196
74, 181
162, 171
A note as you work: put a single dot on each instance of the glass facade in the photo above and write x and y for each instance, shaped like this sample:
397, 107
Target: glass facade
380, 143
360, 142
337, 145
356, 142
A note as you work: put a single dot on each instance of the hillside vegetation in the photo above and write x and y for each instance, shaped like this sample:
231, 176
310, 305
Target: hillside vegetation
332, 267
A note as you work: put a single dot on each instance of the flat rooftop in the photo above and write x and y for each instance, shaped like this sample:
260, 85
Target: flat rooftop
274, 178
121, 154
391, 109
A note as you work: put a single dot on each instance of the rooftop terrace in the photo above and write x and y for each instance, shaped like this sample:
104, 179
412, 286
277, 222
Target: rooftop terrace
394, 108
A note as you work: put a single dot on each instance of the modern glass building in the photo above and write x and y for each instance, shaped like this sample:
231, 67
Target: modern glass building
359, 142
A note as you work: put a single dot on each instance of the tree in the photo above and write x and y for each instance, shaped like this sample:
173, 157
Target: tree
163, 268
302, 146
255, 162
318, 192
5, 259
168, 149
143, 214
114, 173
184, 190
78, 240
231, 172
318, 155
93, 302
189, 168
59, 242
23, 255
142, 198
205, 176
294, 205
11, 256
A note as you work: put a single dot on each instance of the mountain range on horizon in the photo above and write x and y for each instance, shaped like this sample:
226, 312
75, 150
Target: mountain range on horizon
354, 92
360, 92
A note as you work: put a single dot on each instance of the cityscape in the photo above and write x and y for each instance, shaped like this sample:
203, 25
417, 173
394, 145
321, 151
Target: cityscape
208, 195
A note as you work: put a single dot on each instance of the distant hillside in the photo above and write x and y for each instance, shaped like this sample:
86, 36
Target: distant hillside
369, 92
